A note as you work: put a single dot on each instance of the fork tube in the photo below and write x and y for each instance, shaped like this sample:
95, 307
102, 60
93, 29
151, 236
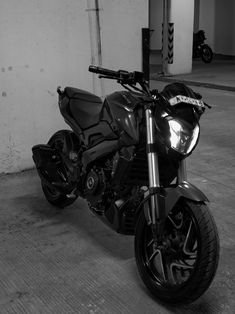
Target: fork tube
152, 165
152, 156
182, 172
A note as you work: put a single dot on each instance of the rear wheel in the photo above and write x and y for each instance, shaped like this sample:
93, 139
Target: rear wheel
183, 267
207, 54
59, 141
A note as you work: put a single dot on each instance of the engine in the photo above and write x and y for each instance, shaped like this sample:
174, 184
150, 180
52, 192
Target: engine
115, 180
96, 187
113, 192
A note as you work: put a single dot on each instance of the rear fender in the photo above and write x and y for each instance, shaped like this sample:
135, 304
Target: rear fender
44, 155
51, 169
47, 162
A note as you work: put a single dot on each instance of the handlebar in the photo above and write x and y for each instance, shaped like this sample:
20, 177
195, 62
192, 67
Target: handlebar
123, 77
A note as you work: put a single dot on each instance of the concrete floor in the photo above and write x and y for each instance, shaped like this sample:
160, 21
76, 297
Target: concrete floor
219, 74
69, 262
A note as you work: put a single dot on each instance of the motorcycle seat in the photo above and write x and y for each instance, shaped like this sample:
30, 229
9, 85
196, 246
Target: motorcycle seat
84, 106
76, 93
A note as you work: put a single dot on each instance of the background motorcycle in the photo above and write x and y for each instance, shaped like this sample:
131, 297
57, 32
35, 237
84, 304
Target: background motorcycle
200, 49
126, 156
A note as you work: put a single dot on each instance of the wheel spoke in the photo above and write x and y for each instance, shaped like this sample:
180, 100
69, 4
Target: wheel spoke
159, 266
187, 239
163, 266
167, 271
174, 224
153, 255
181, 265
60, 173
150, 243
180, 271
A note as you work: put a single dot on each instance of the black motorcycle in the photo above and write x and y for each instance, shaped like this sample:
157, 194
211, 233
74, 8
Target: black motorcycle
200, 49
126, 156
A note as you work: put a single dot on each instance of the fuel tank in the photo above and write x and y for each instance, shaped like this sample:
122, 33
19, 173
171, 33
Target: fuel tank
119, 110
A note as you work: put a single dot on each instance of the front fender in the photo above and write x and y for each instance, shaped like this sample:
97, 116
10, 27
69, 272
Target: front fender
183, 190
171, 196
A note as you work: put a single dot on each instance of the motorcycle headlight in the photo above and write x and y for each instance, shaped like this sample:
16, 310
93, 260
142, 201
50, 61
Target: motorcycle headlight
183, 138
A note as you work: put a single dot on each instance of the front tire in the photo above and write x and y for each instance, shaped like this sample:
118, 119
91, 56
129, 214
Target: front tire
181, 270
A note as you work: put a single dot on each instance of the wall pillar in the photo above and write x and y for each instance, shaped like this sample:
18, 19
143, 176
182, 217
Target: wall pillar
178, 22
95, 41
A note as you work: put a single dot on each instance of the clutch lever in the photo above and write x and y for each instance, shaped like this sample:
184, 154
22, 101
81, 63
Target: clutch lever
120, 80
107, 77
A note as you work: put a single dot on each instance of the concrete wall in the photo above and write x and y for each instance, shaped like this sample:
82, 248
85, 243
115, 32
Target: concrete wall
156, 20
224, 38
121, 35
182, 15
196, 15
42, 46
207, 20
46, 43
217, 19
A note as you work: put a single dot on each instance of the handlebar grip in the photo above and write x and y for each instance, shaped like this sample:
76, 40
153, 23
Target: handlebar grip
103, 71
93, 69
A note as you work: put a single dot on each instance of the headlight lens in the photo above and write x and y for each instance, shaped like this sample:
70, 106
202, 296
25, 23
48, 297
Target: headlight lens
182, 138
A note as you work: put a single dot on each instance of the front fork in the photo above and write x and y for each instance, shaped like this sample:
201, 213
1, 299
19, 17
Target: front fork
156, 217
157, 211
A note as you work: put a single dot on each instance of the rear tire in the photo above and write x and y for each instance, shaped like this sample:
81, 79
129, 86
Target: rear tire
207, 54
182, 270
53, 196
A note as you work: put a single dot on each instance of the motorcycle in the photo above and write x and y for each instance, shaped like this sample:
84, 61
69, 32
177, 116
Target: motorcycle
200, 49
126, 156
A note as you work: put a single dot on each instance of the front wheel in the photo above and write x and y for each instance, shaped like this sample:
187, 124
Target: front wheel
207, 54
182, 268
